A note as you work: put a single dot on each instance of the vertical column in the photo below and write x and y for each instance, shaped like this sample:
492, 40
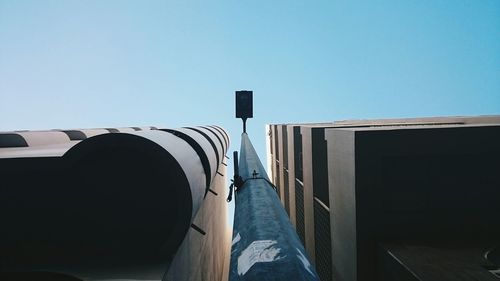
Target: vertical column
276, 178
308, 191
286, 189
269, 150
281, 163
298, 183
341, 179
322, 235
291, 173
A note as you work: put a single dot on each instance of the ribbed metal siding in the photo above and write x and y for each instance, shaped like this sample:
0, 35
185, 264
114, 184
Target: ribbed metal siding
299, 211
322, 241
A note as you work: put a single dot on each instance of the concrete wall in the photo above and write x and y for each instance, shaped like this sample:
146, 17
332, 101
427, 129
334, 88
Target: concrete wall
308, 191
426, 184
281, 162
291, 174
343, 157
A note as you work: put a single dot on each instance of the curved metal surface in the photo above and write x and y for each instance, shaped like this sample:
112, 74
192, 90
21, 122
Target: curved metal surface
113, 198
216, 140
94, 132
210, 151
75, 135
219, 135
223, 133
39, 138
12, 140
205, 134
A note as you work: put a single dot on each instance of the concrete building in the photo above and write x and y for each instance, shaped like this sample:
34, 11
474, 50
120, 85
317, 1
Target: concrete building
114, 204
362, 193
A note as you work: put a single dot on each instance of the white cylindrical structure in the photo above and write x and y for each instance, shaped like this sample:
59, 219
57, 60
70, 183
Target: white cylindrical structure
220, 136
39, 138
207, 148
215, 140
126, 130
94, 132
104, 194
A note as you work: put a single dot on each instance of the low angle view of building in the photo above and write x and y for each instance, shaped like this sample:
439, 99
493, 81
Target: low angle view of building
257, 140
117, 203
373, 197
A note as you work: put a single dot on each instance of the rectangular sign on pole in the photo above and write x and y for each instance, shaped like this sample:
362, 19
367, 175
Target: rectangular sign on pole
244, 104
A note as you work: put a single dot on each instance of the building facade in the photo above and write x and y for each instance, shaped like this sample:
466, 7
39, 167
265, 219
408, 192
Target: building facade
351, 188
114, 204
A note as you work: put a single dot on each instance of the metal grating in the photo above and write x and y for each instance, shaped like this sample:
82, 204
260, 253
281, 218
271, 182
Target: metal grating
320, 165
287, 192
299, 211
297, 152
323, 247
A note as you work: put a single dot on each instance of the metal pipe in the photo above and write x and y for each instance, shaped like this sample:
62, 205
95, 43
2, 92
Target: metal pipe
265, 245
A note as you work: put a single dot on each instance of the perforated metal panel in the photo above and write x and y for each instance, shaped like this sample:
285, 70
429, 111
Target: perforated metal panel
299, 211
297, 152
322, 241
287, 192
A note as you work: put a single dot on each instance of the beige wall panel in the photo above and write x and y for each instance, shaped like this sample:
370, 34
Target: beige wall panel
341, 174
308, 192
206, 257
39, 138
274, 139
291, 174
269, 157
279, 173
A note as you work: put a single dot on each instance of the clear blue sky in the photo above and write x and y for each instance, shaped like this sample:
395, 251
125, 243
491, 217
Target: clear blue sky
76, 64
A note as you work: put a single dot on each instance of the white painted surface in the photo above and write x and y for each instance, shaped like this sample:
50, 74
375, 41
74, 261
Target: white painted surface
207, 148
217, 143
305, 261
54, 150
94, 132
39, 138
258, 251
236, 239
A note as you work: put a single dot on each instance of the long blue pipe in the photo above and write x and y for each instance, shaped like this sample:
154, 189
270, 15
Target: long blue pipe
265, 245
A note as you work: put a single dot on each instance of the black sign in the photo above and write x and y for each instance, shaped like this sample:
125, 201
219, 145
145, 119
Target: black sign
244, 104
